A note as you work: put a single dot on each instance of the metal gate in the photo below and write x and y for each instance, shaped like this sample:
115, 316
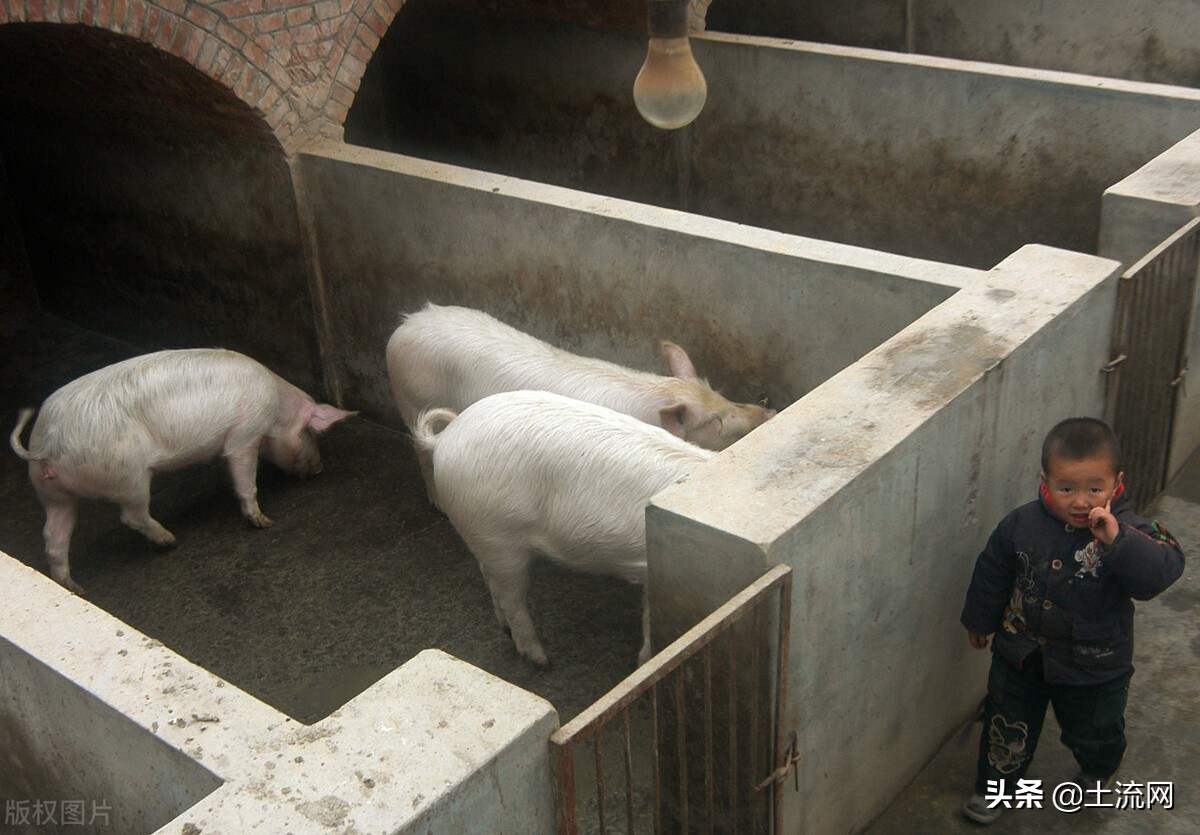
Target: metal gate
1150, 333
696, 730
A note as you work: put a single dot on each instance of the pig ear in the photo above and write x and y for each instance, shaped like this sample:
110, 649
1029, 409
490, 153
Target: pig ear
324, 416
673, 418
678, 361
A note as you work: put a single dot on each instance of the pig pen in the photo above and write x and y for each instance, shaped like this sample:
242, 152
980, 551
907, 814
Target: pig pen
889, 363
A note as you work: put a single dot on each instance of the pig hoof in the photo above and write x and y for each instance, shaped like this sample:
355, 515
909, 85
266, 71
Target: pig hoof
73, 587
540, 660
166, 539
261, 520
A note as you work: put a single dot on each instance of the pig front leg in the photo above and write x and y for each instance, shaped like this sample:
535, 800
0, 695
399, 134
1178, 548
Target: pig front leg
243, 467
507, 577
644, 653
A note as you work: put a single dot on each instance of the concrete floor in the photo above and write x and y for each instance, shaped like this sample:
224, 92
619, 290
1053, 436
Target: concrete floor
1162, 721
357, 576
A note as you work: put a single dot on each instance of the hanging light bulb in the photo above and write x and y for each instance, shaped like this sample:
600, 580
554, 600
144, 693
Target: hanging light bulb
669, 90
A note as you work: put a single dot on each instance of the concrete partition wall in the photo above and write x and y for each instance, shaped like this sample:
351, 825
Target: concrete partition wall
933, 158
96, 714
761, 313
1147, 40
947, 160
1140, 212
879, 488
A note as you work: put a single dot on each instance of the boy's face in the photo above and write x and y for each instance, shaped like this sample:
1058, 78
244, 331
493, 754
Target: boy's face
1076, 486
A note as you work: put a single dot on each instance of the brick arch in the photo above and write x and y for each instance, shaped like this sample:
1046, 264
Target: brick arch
296, 64
360, 34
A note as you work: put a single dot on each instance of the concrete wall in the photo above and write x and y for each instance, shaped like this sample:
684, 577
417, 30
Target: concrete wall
58, 742
879, 488
926, 157
760, 313
1140, 212
93, 711
1140, 40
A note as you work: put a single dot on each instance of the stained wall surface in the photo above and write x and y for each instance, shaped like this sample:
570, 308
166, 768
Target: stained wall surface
1140, 40
761, 314
944, 160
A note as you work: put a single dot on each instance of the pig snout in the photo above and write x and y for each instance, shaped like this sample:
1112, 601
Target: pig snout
293, 446
296, 456
703, 417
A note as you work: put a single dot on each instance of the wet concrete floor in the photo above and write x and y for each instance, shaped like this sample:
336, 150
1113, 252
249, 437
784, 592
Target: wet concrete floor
1162, 724
358, 574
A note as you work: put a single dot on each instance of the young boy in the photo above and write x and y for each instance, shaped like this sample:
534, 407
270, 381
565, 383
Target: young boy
1056, 584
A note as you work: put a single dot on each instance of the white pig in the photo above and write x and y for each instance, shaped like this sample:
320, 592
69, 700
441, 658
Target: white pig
524, 473
452, 356
103, 436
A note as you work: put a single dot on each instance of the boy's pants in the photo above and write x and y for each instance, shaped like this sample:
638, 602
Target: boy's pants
1092, 720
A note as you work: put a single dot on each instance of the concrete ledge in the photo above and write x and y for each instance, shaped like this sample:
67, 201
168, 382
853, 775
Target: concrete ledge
92, 710
1143, 209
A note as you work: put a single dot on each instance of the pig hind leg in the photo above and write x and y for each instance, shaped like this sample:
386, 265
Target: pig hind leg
62, 508
425, 458
60, 522
506, 571
135, 510
243, 467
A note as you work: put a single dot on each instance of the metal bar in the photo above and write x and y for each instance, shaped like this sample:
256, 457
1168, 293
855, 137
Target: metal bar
563, 760
755, 728
662, 664
654, 758
646, 678
1154, 302
708, 737
783, 648
598, 744
733, 749
681, 743
628, 775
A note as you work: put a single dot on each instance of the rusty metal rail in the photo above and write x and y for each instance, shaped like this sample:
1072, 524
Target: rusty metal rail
1150, 334
759, 727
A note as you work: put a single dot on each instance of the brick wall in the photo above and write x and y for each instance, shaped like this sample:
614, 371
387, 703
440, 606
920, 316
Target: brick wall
295, 63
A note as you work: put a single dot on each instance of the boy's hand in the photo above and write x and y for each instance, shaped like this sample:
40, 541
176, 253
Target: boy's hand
977, 640
1103, 524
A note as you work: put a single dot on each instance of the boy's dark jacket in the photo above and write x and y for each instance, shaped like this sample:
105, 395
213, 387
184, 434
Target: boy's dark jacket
1042, 583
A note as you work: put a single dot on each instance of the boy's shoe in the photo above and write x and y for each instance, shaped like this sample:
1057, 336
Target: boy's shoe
1088, 782
978, 810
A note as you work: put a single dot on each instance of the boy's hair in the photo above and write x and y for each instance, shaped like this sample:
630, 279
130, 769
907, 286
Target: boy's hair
1078, 438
